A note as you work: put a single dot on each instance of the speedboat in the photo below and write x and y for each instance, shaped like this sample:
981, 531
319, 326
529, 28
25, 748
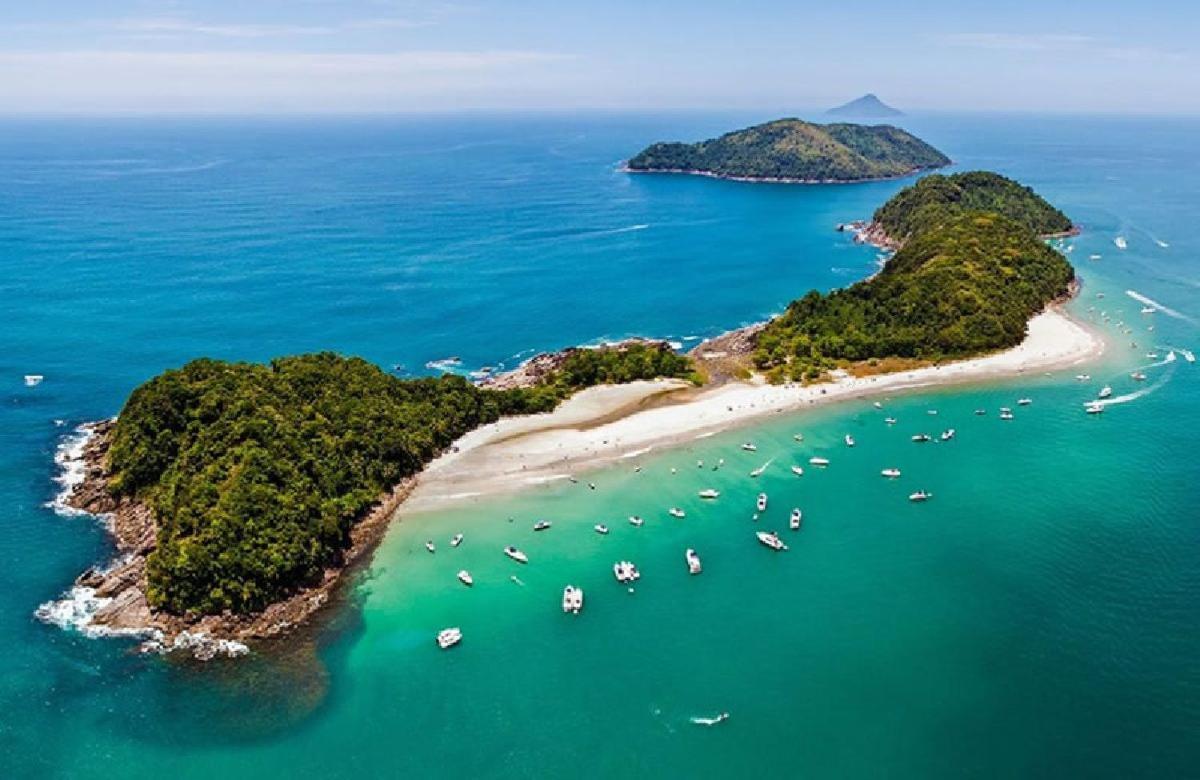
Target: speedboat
921, 437
1138, 376
877, 405
449, 637
464, 577
758, 472
572, 599
1095, 407
798, 436
1120, 242
890, 420
794, 520
625, 571
1148, 310
1105, 392
429, 546
516, 555
1006, 414
771, 539
749, 447
849, 440
948, 434
636, 521
932, 412
676, 512
33, 380
693, 561
890, 473
541, 525
456, 540
819, 461
798, 471
1082, 377
709, 493
1024, 401
600, 528
920, 495
762, 502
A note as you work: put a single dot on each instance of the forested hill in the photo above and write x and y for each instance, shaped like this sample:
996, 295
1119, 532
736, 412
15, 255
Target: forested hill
937, 197
797, 150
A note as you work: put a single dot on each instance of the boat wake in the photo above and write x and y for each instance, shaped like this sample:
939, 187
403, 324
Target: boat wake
700, 721
1145, 391
1167, 310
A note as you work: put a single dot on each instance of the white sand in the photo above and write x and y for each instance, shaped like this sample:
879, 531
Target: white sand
605, 424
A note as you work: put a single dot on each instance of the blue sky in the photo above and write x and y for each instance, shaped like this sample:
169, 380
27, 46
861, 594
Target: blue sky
171, 56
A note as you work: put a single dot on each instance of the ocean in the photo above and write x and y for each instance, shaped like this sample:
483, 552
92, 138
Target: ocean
1037, 617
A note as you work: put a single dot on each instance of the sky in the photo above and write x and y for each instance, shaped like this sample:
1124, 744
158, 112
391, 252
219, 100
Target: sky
352, 56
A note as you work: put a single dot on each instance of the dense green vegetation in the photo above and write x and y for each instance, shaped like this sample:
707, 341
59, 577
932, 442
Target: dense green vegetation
935, 198
795, 149
256, 473
966, 286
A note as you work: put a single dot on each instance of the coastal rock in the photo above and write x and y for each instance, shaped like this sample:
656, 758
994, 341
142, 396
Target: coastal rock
536, 369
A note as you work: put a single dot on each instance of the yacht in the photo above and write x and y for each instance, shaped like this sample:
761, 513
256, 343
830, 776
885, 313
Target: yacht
948, 434
795, 519
921, 437
819, 461
758, 472
625, 571
771, 539
541, 525
890, 473
1105, 392
798, 471
429, 546
516, 555
749, 447
849, 440
676, 512
710, 493
636, 521
693, 561
1024, 401
449, 637
464, 577
600, 528
762, 502
1095, 407
572, 599
920, 495
1138, 376
456, 540
33, 380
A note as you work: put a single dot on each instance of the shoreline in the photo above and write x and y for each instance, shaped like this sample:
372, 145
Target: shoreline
608, 424
624, 168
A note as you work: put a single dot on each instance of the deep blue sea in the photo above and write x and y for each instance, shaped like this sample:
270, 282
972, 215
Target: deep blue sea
1041, 618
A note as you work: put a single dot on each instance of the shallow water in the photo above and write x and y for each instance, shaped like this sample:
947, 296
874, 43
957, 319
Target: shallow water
1037, 616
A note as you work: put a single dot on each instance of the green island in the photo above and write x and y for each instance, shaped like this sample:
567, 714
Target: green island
971, 270
795, 150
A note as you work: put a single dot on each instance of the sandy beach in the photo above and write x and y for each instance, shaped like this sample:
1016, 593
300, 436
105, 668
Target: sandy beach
603, 425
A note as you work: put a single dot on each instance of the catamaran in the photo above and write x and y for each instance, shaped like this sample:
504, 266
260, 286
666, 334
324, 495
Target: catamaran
572, 599
625, 571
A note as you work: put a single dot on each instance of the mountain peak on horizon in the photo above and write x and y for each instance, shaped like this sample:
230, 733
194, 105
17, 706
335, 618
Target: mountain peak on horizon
865, 107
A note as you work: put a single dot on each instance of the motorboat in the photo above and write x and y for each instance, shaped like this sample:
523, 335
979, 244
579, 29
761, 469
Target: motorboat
771, 539
572, 599
710, 493
890, 420
1095, 407
541, 525
464, 577
798, 471
749, 447
794, 521
1105, 392
920, 495
456, 540
429, 546
33, 380
600, 528
693, 561
980, 412
1138, 376
1082, 377
948, 434
761, 503
1024, 401
877, 405
932, 412
849, 440
625, 571
1120, 242
819, 461
677, 512
798, 437
890, 473
516, 555
1006, 414
921, 438
636, 521
449, 637
1148, 310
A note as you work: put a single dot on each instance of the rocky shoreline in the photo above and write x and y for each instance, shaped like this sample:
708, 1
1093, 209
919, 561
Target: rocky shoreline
624, 168
535, 370
111, 600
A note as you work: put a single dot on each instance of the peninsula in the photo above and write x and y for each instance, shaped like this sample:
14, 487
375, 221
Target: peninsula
795, 151
240, 493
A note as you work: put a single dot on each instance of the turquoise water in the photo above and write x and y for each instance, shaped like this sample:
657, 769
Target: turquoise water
1037, 617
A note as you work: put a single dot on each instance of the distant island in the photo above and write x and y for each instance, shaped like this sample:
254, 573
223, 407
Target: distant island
795, 151
866, 107
239, 493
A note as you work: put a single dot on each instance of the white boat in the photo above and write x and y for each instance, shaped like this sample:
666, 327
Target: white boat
444, 363
1148, 310
798, 436
625, 571
699, 464
849, 440
464, 577
948, 434
516, 555
980, 412
456, 540
1093, 257
1095, 407
33, 380
1188, 355
932, 411
1082, 377
920, 495
1105, 392
1005, 414
771, 539
1120, 242
798, 471
758, 472
1152, 355
429, 546
749, 447
710, 493
890, 473
1024, 401
1138, 376
819, 461
572, 599
890, 420
600, 528
922, 437
449, 637
761, 503
795, 519
693, 561
878, 405
636, 521
676, 512
541, 525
